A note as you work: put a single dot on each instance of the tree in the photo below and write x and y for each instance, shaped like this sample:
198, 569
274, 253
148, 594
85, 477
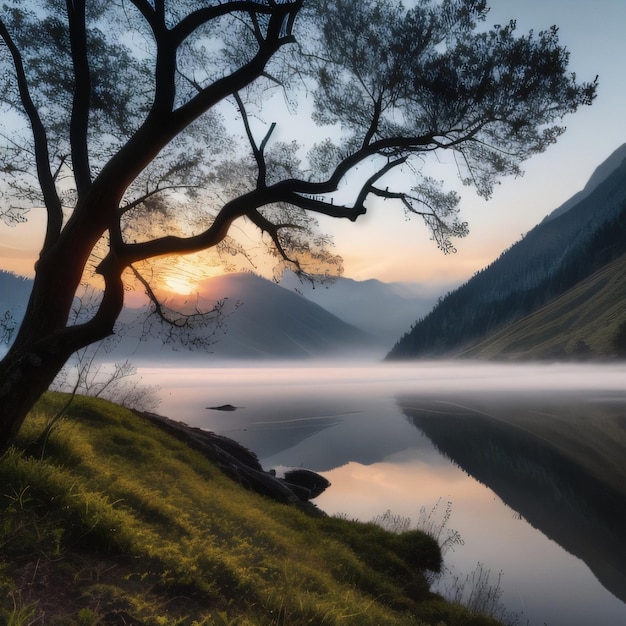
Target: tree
121, 119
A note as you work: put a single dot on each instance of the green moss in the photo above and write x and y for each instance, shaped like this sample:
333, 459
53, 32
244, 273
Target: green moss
119, 522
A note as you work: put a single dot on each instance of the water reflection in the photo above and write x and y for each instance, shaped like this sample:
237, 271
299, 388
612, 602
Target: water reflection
558, 463
541, 582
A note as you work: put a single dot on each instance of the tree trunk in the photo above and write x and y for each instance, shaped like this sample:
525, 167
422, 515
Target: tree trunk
25, 374
29, 368
45, 342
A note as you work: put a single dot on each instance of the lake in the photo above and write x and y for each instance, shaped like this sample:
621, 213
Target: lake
526, 464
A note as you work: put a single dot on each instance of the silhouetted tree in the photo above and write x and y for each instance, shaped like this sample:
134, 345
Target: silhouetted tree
120, 118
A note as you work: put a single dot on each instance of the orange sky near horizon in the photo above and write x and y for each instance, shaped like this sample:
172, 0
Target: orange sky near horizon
384, 246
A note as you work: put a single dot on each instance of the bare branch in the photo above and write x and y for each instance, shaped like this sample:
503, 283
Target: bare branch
195, 20
82, 92
159, 308
42, 157
378, 103
273, 231
181, 326
256, 151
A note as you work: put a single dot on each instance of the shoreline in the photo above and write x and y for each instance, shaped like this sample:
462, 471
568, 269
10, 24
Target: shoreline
243, 466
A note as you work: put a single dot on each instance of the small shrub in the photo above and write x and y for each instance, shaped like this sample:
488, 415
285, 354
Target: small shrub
392, 522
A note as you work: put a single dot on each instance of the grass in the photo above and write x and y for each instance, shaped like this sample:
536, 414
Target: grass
118, 523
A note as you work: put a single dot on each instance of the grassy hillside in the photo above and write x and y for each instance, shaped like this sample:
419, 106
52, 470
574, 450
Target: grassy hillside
581, 323
118, 523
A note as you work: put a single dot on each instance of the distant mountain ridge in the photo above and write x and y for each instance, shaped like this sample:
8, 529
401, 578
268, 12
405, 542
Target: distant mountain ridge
290, 320
14, 293
381, 309
263, 321
549, 260
274, 322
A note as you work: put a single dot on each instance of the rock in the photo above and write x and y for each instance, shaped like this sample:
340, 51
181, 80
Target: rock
243, 466
308, 479
305, 483
223, 407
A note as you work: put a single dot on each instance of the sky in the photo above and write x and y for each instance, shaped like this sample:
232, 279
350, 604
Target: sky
387, 248
384, 246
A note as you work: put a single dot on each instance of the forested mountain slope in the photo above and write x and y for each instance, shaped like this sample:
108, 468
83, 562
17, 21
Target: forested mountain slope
587, 321
603, 171
549, 260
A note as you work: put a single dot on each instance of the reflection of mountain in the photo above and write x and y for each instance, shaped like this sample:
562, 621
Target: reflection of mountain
271, 438
324, 440
547, 468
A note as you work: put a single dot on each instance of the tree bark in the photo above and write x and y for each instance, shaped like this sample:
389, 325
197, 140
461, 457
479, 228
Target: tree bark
29, 368
45, 341
25, 374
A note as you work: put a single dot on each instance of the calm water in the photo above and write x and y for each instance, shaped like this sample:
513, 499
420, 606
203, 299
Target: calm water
530, 458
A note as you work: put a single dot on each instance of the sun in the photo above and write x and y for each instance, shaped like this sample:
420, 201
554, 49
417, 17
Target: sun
183, 276
180, 285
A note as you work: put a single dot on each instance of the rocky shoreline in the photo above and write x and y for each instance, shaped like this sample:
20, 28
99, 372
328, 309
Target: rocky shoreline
296, 487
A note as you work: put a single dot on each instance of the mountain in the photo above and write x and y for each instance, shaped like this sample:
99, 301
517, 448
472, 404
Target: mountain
384, 310
552, 258
601, 173
261, 320
14, 293
581, 323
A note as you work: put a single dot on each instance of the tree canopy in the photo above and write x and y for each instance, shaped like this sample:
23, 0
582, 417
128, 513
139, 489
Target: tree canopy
146, 128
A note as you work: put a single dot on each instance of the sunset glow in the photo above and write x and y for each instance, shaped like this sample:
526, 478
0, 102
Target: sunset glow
180, 285
593, 35
183, 275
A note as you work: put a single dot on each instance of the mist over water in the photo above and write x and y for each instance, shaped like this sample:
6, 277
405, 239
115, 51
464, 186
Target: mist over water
257, 381
521, 451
